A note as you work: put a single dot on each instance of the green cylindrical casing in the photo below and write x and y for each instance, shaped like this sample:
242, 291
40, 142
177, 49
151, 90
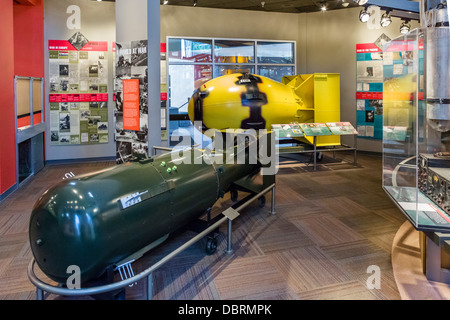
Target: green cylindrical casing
96, 220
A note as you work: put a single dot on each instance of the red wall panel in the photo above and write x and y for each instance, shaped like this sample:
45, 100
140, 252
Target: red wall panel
22, 39
29, 40
7, 121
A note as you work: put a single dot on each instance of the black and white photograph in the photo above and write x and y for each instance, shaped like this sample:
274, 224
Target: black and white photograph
85, 114
93, 70
63, 70
381, 41
94, 120
64, 122
73, 87
102, 127
78, 40
54, 136
64, 139
93, 137
64, 85
370, 116
139, 53
377, 105
54, 87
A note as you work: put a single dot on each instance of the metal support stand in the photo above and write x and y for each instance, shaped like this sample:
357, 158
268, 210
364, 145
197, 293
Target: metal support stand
150, 286
315, 154
39, 294
272, 210
229, 230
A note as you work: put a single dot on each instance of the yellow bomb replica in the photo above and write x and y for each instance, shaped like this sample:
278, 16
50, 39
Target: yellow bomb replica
247, 101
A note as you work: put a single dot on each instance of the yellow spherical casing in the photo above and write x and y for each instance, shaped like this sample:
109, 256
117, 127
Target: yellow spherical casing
245, 101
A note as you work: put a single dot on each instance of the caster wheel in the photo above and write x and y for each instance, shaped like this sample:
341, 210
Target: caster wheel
211, 245
262, 201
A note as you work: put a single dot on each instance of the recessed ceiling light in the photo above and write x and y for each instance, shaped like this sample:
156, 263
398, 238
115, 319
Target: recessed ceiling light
364, 16
385, 19
405, 27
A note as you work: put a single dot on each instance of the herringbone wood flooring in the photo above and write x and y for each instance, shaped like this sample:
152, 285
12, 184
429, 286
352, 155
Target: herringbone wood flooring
330, 226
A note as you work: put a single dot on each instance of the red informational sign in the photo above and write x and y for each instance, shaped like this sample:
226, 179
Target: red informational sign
131, 104
367, 48
89, 46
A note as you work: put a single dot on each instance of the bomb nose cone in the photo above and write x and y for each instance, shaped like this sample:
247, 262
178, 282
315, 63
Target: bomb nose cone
62, 221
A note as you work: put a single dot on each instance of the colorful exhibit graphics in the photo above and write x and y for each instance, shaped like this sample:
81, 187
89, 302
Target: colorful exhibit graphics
369, 90
78, 91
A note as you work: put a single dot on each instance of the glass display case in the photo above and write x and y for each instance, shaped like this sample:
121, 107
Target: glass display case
416, 126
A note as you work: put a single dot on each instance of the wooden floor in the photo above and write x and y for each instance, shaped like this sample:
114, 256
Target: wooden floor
330, 226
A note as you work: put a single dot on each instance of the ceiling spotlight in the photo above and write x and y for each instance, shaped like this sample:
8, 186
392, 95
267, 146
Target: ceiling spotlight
195, 3
166, 2
385, 19
360, 2
364, 16
323, 6
345, 3
405, 27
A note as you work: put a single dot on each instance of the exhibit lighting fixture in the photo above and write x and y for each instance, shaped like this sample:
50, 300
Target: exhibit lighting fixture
385, 19
345, 3
360, 2
323, 6
405, 27
195, 3
166, 2
364, 16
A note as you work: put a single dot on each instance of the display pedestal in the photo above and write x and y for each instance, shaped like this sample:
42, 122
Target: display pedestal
436, 261
407, 266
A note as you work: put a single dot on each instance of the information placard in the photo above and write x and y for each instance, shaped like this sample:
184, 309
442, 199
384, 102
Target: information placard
131, 104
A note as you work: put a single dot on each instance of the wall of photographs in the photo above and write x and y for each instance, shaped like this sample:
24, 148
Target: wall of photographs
78, 91
369, 89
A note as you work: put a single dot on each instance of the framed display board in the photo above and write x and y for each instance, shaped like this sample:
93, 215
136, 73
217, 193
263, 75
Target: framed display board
78, 91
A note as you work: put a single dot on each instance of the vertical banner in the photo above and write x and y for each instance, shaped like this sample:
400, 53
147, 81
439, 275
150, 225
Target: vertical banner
131, 104
130, 96
369, 90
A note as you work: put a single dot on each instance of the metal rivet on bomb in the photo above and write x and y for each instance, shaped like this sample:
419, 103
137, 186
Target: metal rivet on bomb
163, 164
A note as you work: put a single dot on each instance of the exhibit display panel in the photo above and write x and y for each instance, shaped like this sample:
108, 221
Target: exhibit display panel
416, 157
